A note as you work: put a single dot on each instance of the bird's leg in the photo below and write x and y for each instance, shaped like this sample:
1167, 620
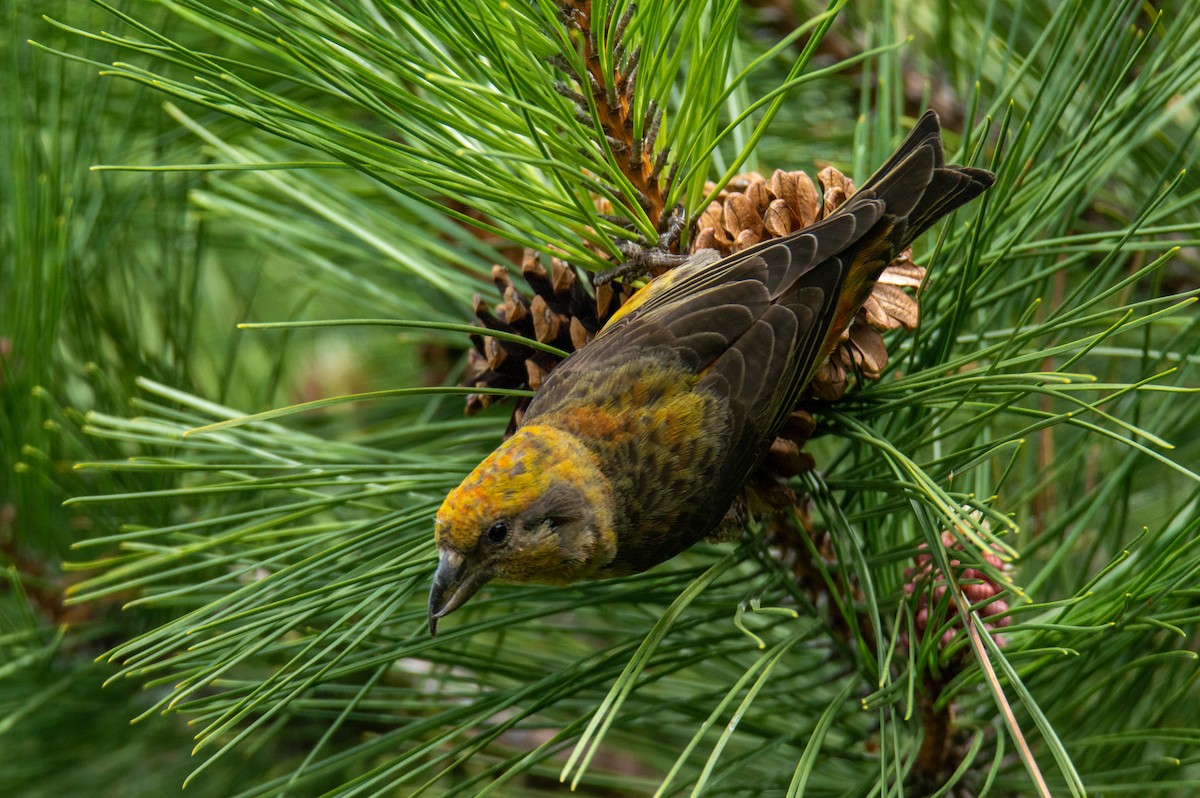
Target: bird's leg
641, 262
671, 228
640, 258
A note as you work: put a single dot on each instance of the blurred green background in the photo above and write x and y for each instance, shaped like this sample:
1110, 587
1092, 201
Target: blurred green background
120, 293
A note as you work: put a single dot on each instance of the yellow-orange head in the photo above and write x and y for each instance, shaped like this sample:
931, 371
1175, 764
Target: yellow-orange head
537, 509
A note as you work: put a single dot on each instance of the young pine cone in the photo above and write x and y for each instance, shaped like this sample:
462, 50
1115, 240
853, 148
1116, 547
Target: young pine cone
935, 610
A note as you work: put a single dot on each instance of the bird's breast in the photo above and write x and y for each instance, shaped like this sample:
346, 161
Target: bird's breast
660, 442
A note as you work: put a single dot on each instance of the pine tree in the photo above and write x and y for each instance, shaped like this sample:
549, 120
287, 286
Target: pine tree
983, 578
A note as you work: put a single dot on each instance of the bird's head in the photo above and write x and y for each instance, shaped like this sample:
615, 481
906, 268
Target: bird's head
537, 509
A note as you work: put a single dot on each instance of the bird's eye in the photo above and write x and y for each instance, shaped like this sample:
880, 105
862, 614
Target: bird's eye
497, 532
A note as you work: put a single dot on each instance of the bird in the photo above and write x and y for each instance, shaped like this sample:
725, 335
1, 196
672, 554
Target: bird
636, 446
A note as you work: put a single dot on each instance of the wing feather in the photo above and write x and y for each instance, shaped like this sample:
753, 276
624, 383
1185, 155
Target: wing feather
752, 329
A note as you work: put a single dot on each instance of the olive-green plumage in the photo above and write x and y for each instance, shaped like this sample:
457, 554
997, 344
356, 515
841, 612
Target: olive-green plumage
635, 447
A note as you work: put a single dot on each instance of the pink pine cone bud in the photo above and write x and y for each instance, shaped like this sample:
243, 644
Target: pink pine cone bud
980, 590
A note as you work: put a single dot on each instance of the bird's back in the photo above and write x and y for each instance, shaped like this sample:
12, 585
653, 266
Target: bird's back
682, 394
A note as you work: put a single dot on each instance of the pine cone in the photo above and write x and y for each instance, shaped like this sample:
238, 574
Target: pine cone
561, 313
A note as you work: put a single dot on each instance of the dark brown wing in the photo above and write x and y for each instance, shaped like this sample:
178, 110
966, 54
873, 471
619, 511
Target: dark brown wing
754, 327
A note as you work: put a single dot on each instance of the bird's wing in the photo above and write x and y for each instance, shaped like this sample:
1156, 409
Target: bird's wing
754, 327
746, 330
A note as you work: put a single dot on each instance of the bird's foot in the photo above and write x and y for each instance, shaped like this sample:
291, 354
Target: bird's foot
641, 259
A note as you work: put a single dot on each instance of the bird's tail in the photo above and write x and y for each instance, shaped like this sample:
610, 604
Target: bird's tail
916, 185
903, 199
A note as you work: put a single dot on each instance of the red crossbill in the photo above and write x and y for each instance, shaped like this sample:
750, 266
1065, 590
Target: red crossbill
635, 447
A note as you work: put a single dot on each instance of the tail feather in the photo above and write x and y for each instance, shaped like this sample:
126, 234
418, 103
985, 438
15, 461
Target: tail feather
908, 195
951, 188
905, 185
918, 187
926, 134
